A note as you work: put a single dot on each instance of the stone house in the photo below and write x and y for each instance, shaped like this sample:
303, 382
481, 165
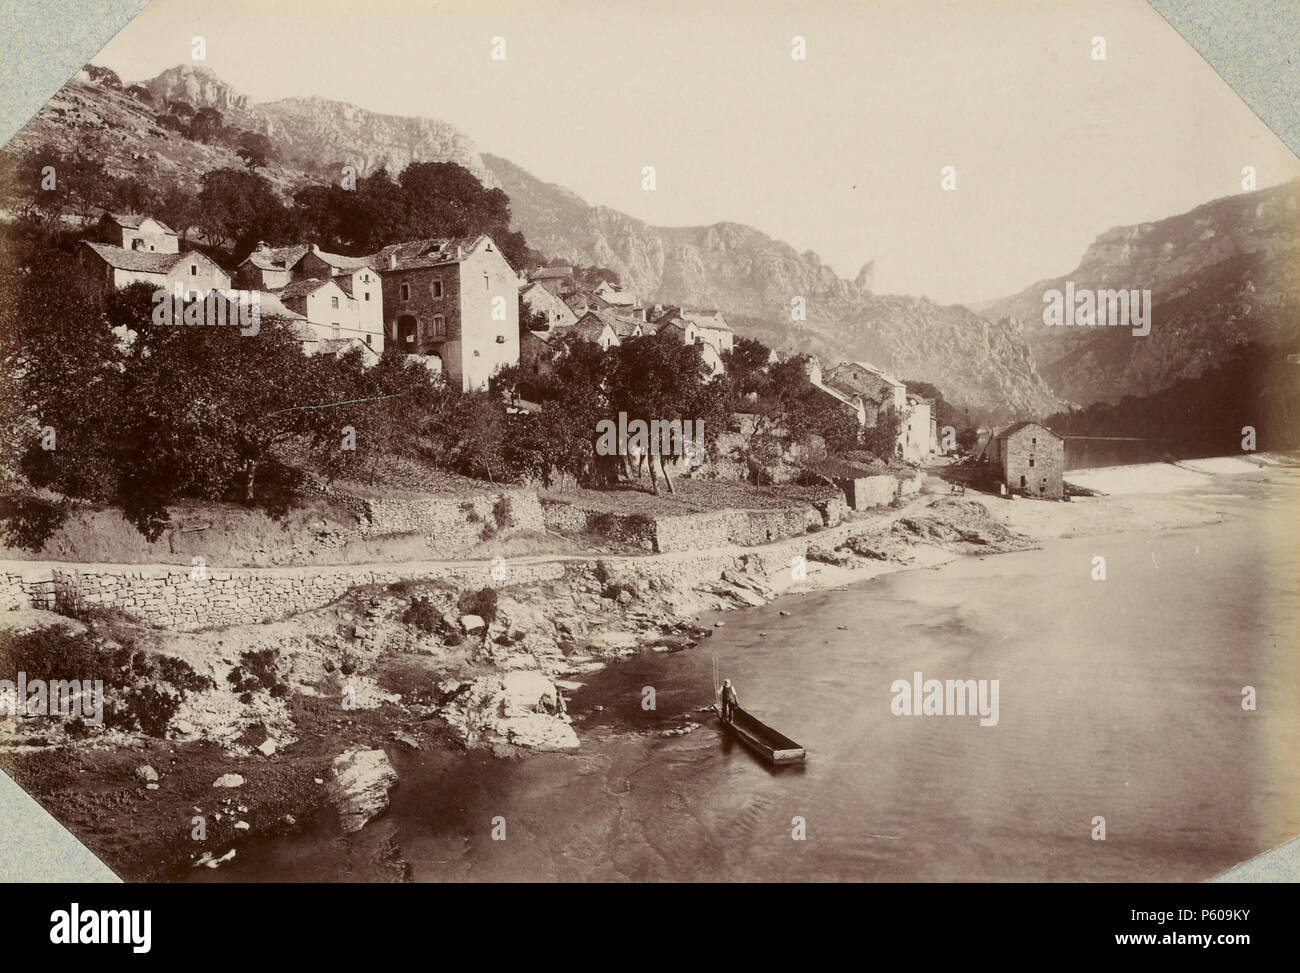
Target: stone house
556, 280
616, 297
331, 313
454, 299
356, 313
541, 300
1030, 459
132, 231
117, 267
270, 268
876, 387
690, 330
847, 400
580, 302
710, 325
597, 326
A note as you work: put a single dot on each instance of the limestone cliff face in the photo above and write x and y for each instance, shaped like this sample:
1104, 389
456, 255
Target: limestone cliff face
323, 131
1220, 275
198, 86
982, 364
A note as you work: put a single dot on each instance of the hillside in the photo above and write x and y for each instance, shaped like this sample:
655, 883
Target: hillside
980, 365
1220, 276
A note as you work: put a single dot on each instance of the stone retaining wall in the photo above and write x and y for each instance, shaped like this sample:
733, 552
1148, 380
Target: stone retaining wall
184, 598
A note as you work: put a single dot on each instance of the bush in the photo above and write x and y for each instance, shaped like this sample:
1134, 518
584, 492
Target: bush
482, 603
258, 670
141, 691
423, 615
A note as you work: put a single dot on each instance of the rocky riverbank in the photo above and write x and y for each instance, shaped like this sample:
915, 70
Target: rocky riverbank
263, 726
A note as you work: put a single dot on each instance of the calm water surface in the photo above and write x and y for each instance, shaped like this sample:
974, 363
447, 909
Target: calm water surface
1119, 699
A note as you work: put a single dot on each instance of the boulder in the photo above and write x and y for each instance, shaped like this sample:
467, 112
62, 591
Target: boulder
360, 786
266, 747
472, 623
228, 780
146, 773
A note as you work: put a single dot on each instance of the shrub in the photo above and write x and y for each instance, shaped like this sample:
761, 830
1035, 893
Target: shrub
257, 670
482, 603
501, 512
423, 615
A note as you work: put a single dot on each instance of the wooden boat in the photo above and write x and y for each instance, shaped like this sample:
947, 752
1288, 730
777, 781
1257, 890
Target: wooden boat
774, 747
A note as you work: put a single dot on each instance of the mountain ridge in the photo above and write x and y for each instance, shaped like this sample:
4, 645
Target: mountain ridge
758, 280
1221, 275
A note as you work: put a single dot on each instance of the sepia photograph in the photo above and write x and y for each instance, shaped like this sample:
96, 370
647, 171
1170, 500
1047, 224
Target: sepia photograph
744, 441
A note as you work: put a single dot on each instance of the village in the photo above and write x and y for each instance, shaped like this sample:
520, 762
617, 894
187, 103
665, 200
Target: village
456, 304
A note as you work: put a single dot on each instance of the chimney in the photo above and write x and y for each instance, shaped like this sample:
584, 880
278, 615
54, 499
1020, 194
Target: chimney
392, 260
315, 248
261, 245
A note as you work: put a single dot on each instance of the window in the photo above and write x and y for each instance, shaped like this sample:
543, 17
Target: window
367, 339
1031, 462
487, 284
437, 287
367, 295
1022, 483
365, 279
1033, 440
439, 326
406, 292
335, 329
194, 270
334, 302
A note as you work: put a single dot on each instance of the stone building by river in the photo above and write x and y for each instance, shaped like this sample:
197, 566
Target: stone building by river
1030, 459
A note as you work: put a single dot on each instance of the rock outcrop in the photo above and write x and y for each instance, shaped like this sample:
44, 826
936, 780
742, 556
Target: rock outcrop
360, 787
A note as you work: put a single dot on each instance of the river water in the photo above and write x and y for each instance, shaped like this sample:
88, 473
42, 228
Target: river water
1118, 699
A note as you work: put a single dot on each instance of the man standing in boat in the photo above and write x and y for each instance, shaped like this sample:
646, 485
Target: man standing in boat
729, 701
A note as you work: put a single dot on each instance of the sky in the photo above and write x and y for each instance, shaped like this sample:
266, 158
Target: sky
841, 154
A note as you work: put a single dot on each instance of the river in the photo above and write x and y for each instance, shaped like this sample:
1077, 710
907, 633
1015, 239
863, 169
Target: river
1118, 699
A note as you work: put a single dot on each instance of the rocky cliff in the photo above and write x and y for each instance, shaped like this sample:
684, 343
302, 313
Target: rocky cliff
325, 132
982, 364
1223, 274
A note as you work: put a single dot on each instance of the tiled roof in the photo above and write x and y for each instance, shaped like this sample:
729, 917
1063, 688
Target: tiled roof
880, 373
277, 258
338, 346
140, 261
706, 319
583, 301
271, 305
546, 273
132, 221
1017, 426
344, 263
301, 288
624, 327
423, 253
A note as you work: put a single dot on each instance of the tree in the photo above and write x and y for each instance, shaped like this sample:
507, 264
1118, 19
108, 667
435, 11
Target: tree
881, 440
206, 125
105, 76
179, 207
747, 364
658, 378
255, 149
240, 208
